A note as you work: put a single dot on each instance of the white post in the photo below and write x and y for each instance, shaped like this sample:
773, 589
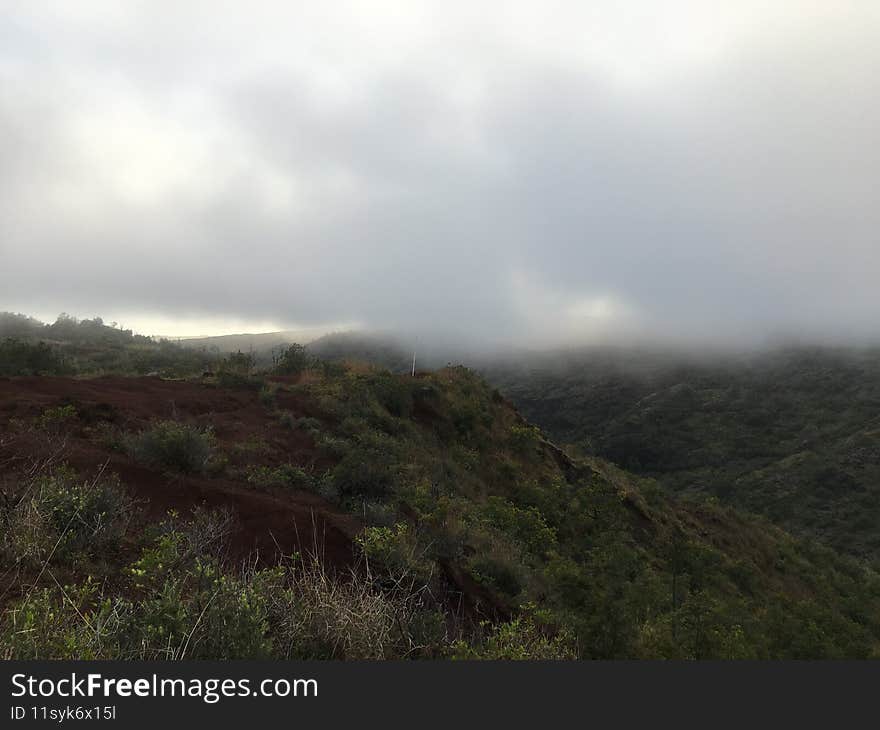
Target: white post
414, 364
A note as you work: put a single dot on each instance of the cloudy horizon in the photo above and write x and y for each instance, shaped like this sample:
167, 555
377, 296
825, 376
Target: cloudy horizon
500, 172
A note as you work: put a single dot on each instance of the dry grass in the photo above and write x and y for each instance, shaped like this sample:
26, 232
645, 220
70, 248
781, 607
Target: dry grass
320, 615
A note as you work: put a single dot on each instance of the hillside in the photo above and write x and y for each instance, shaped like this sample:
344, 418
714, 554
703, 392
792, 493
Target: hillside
793, 434
380, 350
469, 533
70, 346
255, 342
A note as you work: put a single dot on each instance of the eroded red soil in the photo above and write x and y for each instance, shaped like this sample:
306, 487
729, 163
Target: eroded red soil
247, 432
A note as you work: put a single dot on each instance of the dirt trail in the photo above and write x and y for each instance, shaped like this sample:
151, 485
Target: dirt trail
269, 520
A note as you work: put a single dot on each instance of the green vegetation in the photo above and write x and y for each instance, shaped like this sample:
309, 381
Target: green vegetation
793, 435
292, 360
19, 357
173, 445
178, 597
518, 639
474, 536
178, 600
60, 516
89, 347
452, 483
379, 351
286, 475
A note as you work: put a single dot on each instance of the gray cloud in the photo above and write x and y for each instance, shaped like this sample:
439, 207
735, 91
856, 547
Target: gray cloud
578, 175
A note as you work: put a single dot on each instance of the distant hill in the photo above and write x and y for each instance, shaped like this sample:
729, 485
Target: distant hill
383, 351
90, 346
71, 346
245, 342
792, 434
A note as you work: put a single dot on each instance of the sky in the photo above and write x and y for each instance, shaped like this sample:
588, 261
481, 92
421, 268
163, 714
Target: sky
500, 172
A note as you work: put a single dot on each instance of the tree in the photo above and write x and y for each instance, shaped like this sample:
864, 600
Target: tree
291, 361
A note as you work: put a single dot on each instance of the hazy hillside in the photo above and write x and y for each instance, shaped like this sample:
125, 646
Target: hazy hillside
793, 434
789, 433
470, 534
70, 346
245, 342
464, 513
382, 351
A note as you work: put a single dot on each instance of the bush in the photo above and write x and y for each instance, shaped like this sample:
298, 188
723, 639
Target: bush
109, 436
54, 419
27, 358
524, 439
521, 639
187, 607
526, 526
182, 602
173, 445
190, 606
396, 550
240, 363
267, 396
233, 380
202, 613
60, 515
291, 361
74, 623
307, 423
331, 369
286, 475
498, 573
394, 394
364, 475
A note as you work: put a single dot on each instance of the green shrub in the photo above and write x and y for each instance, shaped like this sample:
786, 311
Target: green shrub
63, 516
292, 361
286, 475
54, 419
252, 446
109, 436
519, 639
331, 369
267, 395
238, 381
303, 423
524, 438
240, 363
468, 418
186, 607
307, 423
201, 613
395, 549
18, 357
394, 393
175, 446
76, 622
190, 606
497, 572
363, 475
525, 525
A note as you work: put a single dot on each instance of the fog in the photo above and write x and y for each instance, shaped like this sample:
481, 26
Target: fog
497, 173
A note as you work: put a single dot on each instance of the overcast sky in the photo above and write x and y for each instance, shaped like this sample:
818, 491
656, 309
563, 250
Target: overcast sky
504, 171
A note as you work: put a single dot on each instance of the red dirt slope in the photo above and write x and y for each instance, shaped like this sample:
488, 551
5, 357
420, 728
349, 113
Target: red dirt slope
246, 431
